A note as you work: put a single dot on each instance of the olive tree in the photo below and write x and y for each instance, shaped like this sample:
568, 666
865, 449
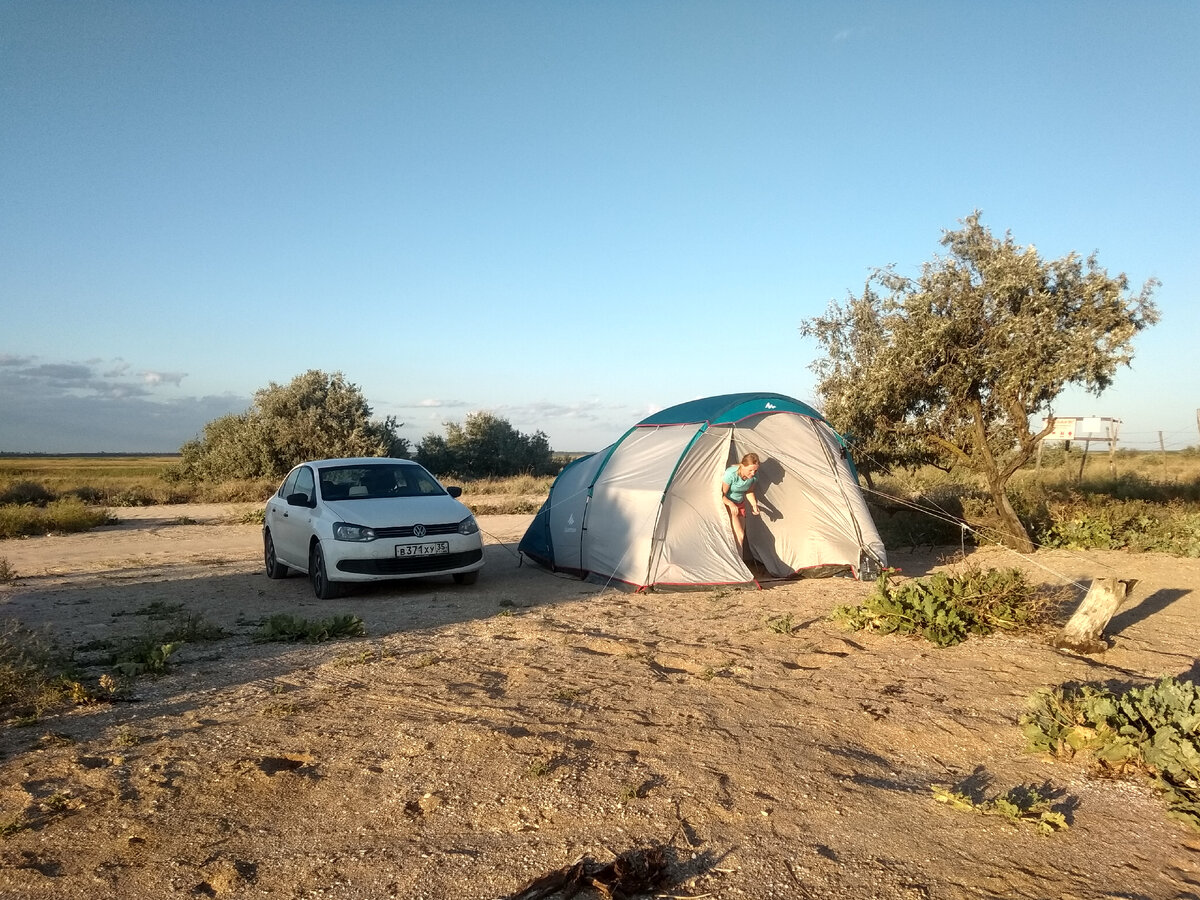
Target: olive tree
951, 366
315, 416
486, 446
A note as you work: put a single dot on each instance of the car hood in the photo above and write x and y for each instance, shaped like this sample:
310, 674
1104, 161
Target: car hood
391, 512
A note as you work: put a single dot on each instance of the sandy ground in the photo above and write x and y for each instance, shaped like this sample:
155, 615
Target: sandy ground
482, 736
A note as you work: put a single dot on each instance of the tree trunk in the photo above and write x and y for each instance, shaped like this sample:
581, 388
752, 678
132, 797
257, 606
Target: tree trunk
1015, 535
1083, 632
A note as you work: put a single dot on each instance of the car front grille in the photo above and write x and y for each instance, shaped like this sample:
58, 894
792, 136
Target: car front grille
413, 565
407, 530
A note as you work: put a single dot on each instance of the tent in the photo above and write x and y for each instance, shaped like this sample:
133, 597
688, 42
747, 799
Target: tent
646, 512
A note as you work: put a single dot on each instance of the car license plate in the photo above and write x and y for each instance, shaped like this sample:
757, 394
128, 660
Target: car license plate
433, 549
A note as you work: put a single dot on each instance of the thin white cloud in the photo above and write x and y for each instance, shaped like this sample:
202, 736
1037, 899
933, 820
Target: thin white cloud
573, 426
163, 377
426, 404
584, 410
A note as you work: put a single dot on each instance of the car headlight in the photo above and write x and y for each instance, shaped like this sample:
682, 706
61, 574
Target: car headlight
468, 526
344, 531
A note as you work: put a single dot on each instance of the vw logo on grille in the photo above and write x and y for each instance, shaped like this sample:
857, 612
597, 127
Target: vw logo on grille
418, 531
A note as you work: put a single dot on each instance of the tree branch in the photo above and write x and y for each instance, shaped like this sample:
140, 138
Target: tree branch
950, 447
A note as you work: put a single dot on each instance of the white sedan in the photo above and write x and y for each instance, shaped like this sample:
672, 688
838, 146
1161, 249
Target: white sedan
368, 519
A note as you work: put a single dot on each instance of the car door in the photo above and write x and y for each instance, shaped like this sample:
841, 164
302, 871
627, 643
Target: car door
291, 525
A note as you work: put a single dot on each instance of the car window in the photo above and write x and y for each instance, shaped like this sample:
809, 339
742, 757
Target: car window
377, 480
304, 482
425, 483
289, 484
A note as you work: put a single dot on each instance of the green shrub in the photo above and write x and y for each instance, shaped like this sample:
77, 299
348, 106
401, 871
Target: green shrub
316, 416
1153, 729
781, 624
132, 496
1136, 486
7, 573
145, 654
1139, 525
92, 496
62, 516
1025, 803
486, 446
945, 609
193, 628
26, 493
288, 628
151, 651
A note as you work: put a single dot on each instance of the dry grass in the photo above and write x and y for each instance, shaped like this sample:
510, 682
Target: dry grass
123, 481
57, 517
1145, 501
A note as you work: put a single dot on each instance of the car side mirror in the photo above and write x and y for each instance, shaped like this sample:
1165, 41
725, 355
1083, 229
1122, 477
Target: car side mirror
299, 500
454, 491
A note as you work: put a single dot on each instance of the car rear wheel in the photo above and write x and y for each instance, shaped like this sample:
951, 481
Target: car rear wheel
275, 569
466, 577
319, 576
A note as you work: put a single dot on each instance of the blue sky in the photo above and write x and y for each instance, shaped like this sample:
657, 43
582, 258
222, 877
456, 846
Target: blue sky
569, 214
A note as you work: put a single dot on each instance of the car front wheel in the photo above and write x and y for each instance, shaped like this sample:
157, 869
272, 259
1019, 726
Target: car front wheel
275, 569
319, 576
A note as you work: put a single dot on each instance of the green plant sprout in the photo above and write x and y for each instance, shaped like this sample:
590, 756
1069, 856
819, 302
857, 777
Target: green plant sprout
1023, 804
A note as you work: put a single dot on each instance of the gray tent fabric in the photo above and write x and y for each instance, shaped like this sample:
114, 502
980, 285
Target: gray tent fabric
647, 513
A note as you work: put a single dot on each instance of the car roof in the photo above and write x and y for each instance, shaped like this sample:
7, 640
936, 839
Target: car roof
359, 461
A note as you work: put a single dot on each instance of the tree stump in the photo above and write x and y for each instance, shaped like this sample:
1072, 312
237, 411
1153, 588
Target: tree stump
1082, 633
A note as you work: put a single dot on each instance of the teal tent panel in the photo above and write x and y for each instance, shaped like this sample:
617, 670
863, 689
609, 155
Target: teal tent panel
728, 408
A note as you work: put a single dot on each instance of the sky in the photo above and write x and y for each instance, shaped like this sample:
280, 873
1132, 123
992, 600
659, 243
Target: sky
568, 214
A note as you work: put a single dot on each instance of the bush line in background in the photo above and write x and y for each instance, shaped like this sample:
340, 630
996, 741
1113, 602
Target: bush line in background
1151, 502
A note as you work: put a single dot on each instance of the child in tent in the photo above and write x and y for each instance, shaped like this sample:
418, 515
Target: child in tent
737, 487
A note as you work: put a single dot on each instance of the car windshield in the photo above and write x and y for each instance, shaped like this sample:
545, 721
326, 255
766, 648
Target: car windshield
370, 482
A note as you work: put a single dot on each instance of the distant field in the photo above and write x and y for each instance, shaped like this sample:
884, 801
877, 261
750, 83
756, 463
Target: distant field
63, 473
1058, 464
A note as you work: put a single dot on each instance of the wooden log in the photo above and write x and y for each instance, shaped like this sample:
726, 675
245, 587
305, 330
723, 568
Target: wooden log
1104, 597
